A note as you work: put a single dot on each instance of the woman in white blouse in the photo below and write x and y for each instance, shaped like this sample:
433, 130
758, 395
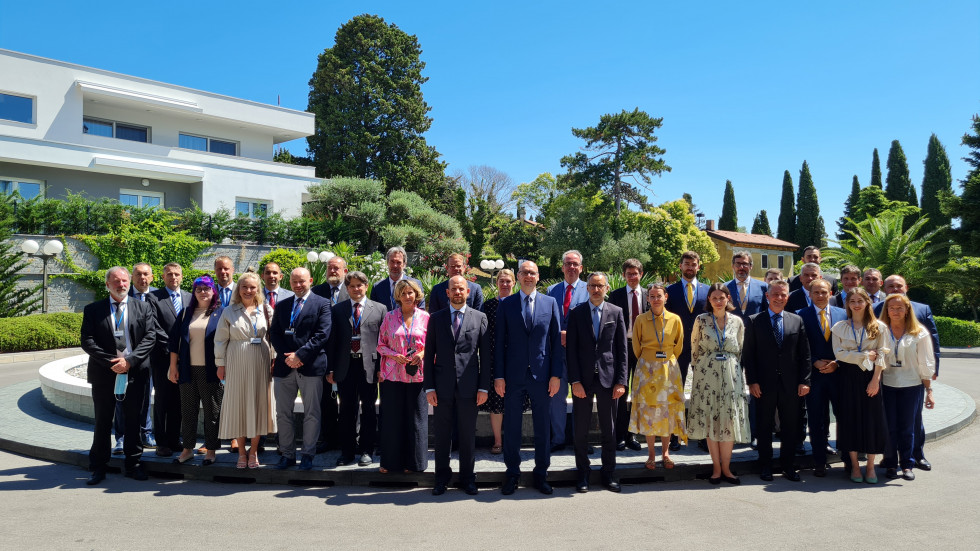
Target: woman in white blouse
911, 364
860, 345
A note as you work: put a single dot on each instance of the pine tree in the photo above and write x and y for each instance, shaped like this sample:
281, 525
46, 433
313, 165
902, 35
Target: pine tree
875, 170
760, 226
729, 214
809, 224
937, 181
898, 183
966, 206
786, 226
852, 199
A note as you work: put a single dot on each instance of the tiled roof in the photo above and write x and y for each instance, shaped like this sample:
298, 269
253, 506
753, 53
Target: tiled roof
750, 239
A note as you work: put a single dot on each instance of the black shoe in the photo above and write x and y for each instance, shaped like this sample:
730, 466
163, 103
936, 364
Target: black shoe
791, 474
306, 462
621, 446
754, 444
95, 478
345, 460
439, 489
510, 485
716, 481
544, 487
800, 449
733, 480
907, 474
703, 445
891, 473
557, 448
831, 450
633, 444
164, 451
766, 475
610, 484
583, 484
590, 450
923, 464
470, 489
284, 463
137, 473
675, 444
365, 460
819, 472
322, 447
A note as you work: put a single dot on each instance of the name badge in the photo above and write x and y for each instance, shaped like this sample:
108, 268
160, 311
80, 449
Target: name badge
720, 357
289, 332
118, 334
661, 356
256, 340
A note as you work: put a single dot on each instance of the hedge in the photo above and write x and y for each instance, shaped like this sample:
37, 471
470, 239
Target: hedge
40, 332
954, 332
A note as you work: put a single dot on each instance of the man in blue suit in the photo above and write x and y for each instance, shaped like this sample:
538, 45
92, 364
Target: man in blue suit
800, 298
749, 298
455, 266
528, 357
895, 284
569, 293
818, 318
383, 291
300, 328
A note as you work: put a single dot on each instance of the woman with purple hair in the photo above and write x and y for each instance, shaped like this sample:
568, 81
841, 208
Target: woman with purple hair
192, 366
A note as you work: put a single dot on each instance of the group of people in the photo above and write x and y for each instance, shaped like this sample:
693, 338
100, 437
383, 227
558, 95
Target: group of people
757, 353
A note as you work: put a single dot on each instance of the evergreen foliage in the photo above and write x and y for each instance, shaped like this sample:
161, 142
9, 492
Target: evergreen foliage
729, 213
809, 223
786, 226
966, 206
849, 205
937, 182
875, 170
760, 226
15, 300
898, 183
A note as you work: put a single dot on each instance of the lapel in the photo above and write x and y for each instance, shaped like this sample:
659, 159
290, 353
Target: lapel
604, 317
733, 292
106, 310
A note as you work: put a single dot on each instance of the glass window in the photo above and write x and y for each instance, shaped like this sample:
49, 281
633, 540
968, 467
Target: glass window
780, 260
251, 208
132, 133
27, 189
765, 261
17, 108
151, 201
187, 141
225, 148
129, 199
97, 128
140, 198
242, 208
259, 210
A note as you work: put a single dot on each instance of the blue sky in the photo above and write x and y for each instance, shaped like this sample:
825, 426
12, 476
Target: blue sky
746, 90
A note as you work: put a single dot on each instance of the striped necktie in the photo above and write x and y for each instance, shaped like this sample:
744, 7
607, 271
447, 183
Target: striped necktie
175, 299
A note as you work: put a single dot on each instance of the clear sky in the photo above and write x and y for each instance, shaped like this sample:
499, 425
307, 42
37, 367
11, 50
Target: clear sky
746, 90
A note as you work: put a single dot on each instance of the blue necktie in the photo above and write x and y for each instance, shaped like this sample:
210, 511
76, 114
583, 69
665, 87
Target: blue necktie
528, 316
175, 298
225, 297
777, 329
595, 322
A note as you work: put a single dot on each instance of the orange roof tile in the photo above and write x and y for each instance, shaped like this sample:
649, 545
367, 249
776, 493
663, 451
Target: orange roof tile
750, 239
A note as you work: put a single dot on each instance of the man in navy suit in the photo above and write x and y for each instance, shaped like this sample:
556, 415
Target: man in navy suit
749, 298
811, 255
596, 359
383, 291
818, 318
895, 284
300, 329
568, 293
456, 379
800, 298
686, 298
776, 357
850, 278
528, 357
631, 299
871, 281
170, 302
455, 266
224, 279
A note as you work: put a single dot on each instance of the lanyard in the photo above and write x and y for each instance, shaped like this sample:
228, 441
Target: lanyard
297, 308
854, 333
254, 320
119, 320
410, 337
663, 329
720, 337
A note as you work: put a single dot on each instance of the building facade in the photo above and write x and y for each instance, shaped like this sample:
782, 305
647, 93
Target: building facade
767, 252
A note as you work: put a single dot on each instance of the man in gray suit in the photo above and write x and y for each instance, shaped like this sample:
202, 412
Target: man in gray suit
353, 368
170, 302
334, 288
456, 379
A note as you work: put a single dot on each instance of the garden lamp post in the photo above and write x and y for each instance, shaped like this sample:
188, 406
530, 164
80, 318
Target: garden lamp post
318, 265
491, 266
51, 249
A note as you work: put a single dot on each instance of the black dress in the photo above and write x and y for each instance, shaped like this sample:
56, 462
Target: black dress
861, 423
495, 402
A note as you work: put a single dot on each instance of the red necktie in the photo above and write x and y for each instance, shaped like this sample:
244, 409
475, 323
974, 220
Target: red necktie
355, 345
272, 299
568, 299
636, 309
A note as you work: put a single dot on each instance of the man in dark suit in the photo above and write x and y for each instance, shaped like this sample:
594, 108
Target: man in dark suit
871, 281
300, 328
895, 284
141, 289
384, 290
850, 279
224, 279
596, 360
456, 379
776, 357
528, 357
686, 298
455, 266
811, 255
170, 302
271, 278
748, 294
118, 335
353, 368
568, 293
818, 318
631, 300
334, 289
800, 298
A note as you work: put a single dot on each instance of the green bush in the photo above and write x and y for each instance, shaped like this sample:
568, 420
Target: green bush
954, 332
40, 332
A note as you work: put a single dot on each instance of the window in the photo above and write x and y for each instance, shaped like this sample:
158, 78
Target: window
17, 108
251, 208
134, 198
765, 261
120, 130
780, 260
28, 189
202, 143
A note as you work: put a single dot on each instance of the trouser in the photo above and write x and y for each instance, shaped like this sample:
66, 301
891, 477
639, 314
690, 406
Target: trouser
606, 410
195, 395
559, 413
404, 433
357, 394
455, 411
778, 398
541, 409
145, 426
823, 395
104, 406
901, 404
310, 389
166, 408
623, 406
920, 431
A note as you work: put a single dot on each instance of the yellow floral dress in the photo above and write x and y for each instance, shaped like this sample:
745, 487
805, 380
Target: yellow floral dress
658, 392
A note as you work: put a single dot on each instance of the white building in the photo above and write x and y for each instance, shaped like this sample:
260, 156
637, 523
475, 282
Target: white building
65, 127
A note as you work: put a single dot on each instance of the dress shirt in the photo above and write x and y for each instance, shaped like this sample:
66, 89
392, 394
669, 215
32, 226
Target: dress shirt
524, 304
221, 294
916, 354
125, 321
629, 307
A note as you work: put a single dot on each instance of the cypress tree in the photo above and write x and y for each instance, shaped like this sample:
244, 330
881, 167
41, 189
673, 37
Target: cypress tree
760, 226
875, 169
937, 181
898, 183
786, 226
729, 214
809, 224
852, 200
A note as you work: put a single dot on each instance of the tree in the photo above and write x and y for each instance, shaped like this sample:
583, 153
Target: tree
729, 214
415, 225
671, 229
937, 182
966, 206
760, 226
481, 195
358, 202
14, 299
809, 224
366, 94
786, 226
619, 156
898, 183
875, 169
849, 205
872, 203
535, 195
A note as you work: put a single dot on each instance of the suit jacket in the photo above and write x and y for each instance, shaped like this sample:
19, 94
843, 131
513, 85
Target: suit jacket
438, 299
755, 298
620, 297
311, 331
100, 344
820, 348
765, 361
325, 291
677, 304
383, 292
579, 295
923, 314
166, 319
594, 361
794, 283
281, 294
797, 301
461, 363
518, 348
180, 344
342, 329
839, 300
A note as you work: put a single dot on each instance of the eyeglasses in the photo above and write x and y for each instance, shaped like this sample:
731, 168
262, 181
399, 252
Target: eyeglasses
595, 286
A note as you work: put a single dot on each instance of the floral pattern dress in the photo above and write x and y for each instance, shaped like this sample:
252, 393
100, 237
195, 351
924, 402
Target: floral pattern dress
719, 404
658, 392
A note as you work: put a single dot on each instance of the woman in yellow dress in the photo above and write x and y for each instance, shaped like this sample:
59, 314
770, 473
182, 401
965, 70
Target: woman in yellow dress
658, 393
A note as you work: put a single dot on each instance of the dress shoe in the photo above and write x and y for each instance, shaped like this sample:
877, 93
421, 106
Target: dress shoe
470, 489
510, 485
95, 478
164, 451
557, 448
590, 450
610, 484
137, 473
583, 484
733, 480
675, 444
907, 474
306, 462
285, 463
633, 444
831, 450
923, 464
365, 460
766, 475
892, 474
544, 487
118, 448
439, 489
714, 481
819, 472
800, 449
345, 460
703, 445
791, 475
621, 446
